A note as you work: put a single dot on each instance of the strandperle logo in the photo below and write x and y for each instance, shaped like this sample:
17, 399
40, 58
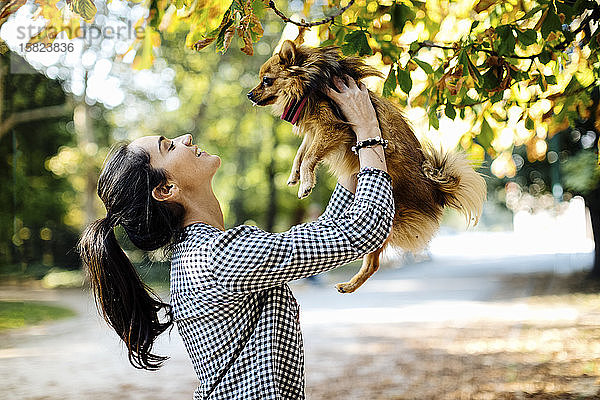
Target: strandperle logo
56, 42
91, 32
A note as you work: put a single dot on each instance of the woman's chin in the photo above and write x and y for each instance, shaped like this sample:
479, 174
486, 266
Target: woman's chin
217, 161
212, 162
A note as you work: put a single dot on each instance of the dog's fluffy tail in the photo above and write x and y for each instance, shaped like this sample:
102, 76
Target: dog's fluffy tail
461, 186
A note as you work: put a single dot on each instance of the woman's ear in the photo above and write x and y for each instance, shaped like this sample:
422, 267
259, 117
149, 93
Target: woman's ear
287, 53
165, 192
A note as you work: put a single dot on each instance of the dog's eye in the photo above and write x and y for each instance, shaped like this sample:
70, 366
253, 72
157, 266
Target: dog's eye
267, 81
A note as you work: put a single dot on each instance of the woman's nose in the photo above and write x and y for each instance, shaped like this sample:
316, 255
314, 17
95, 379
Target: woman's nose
186, 139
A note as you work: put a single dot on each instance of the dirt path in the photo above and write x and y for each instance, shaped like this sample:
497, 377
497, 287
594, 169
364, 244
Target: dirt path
82, 359
433, 331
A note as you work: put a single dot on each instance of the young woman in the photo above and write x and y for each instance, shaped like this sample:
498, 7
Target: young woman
229, 293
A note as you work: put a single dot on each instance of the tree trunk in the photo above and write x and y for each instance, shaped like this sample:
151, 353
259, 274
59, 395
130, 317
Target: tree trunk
3, 69
593, 204
85, 137
272, 206
237, 203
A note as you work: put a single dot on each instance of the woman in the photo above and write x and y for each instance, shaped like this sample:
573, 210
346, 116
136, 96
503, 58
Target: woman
229, 297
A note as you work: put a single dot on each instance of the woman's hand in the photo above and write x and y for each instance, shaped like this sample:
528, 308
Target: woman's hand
355, 103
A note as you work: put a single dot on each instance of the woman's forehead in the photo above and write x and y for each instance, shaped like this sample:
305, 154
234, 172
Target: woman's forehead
148, 143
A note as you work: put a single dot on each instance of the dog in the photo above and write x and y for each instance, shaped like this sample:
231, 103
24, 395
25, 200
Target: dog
424, 179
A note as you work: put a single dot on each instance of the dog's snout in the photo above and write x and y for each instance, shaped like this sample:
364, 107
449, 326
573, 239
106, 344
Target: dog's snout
250, 95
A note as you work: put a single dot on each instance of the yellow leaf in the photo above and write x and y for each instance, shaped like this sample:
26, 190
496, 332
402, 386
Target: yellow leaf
484, 5
85, 8
3, 47
227, 39
247, 45
145, 55
200, 44
9, 9
306, 8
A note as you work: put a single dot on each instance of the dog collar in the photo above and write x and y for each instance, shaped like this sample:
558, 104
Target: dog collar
292, 111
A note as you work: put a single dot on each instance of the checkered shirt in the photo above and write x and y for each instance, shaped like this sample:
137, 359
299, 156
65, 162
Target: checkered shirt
232, 306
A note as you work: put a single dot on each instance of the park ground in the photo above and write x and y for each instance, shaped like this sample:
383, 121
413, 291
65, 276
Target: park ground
525, 327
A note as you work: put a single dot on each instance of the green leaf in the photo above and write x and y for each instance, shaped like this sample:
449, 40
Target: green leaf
404, 80
507, 40
542, 82
527, 37
348, 49
339, 34
356, 42
414, 46
595, 41
551, 23
450, 111
551, 79
258, 8
390, 83
532, 12
433, 118
401, 13
361, 22
497, 97
424, 66
502, 31
582, 5
486, 134
474, 25
529, 124
490, 81
474, 72
518, 75
567, 9
463, 59
545, 57
468, 101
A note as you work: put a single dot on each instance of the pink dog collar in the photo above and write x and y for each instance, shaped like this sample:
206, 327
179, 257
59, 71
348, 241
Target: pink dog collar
292, 111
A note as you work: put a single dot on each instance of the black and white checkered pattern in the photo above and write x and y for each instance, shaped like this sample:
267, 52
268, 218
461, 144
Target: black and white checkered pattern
237, 316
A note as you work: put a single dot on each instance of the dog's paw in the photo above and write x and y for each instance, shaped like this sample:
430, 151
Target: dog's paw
304, 191
345, 287
293, 179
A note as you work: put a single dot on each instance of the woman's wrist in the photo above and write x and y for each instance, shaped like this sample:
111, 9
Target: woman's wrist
370, 142
363, 133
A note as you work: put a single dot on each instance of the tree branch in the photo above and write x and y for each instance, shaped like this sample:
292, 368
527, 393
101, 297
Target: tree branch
568, 94
309, 24
428, 43
34, 115
594, 14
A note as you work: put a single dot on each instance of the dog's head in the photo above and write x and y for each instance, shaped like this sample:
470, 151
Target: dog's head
298, 71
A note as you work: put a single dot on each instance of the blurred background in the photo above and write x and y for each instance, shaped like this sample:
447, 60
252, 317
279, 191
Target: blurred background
507, 309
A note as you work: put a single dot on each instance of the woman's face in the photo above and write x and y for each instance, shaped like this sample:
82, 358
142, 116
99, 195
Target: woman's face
185, 163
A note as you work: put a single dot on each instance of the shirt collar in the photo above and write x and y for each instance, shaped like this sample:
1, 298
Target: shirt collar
201, 227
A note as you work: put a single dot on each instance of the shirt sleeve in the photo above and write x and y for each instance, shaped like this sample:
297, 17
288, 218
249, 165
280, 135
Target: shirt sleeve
247, 259
341, 198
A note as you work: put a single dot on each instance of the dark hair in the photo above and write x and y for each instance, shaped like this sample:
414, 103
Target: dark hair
128, 305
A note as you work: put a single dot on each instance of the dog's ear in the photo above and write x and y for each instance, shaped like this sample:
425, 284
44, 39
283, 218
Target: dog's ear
287, 53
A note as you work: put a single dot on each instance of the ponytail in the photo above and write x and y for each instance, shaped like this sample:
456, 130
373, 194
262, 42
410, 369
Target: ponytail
128, 305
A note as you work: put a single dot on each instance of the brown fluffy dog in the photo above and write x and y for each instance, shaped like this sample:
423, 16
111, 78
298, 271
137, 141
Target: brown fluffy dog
424, 180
